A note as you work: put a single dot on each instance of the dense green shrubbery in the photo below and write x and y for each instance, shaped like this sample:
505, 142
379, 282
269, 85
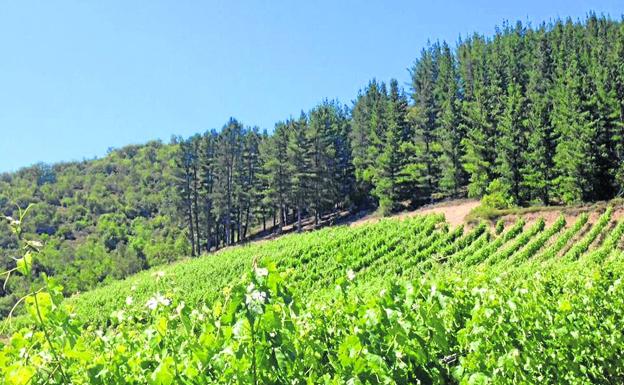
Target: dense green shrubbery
100, 220
336, 313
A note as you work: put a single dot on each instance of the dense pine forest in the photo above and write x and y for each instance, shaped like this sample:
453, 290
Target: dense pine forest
530, 115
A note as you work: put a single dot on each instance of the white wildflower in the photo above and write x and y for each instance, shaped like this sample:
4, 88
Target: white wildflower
133, 288
259, 296
382, 293
163, 300
179, 308
119, 315
195, 313
159, 274
261, 272
45, 356
152, 303
129, 300
35, 244
251, 287
157, 300
237, 329
12, 221
371, 317
255, 300
149, 332
614, 286
350, 275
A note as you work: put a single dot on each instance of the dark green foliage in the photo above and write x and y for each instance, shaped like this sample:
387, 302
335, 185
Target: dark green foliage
389, 184
538, 171
99, 220
450, 131
424, 117
367, 133
512, 143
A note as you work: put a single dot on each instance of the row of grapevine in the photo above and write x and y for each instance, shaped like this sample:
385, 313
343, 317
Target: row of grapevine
407, 302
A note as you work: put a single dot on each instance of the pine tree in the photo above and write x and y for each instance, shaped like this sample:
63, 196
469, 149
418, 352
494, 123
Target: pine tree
226, 192
299, 166
344, 172
424, 77
207, 170
194, 143
274, 152
512, 143
184, 181
366, 125
602, 105
538, 172
388, 165
450, 131
617, 73
477, 115
325, 127
572, 125
250, 182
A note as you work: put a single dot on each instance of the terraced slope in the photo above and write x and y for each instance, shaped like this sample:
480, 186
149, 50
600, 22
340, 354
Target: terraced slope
378, 253
411, 301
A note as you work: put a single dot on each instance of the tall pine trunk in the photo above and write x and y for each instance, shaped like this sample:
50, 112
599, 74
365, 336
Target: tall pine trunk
196, 211
298, 218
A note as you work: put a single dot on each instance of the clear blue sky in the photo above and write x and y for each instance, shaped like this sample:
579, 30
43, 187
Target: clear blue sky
78, 77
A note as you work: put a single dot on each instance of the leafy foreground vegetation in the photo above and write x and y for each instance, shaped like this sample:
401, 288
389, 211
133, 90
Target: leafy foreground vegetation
393, 302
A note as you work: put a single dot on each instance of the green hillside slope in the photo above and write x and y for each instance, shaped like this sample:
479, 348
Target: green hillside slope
100, 219
393, 302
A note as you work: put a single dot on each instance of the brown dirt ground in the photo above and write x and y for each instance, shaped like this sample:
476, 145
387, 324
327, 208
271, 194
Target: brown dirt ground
570, 214
455, 212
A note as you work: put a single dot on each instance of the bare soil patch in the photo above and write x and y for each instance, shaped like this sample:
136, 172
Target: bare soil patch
455, 212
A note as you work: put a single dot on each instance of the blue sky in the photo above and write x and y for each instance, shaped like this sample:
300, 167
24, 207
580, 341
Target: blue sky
78, 77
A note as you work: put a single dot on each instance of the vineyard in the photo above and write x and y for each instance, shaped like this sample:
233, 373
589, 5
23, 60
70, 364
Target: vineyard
394, 302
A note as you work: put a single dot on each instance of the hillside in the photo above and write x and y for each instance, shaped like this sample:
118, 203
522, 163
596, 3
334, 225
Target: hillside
99, 220
378, 249
518, 303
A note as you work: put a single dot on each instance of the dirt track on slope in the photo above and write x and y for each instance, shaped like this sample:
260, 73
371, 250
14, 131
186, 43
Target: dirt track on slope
455, 212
